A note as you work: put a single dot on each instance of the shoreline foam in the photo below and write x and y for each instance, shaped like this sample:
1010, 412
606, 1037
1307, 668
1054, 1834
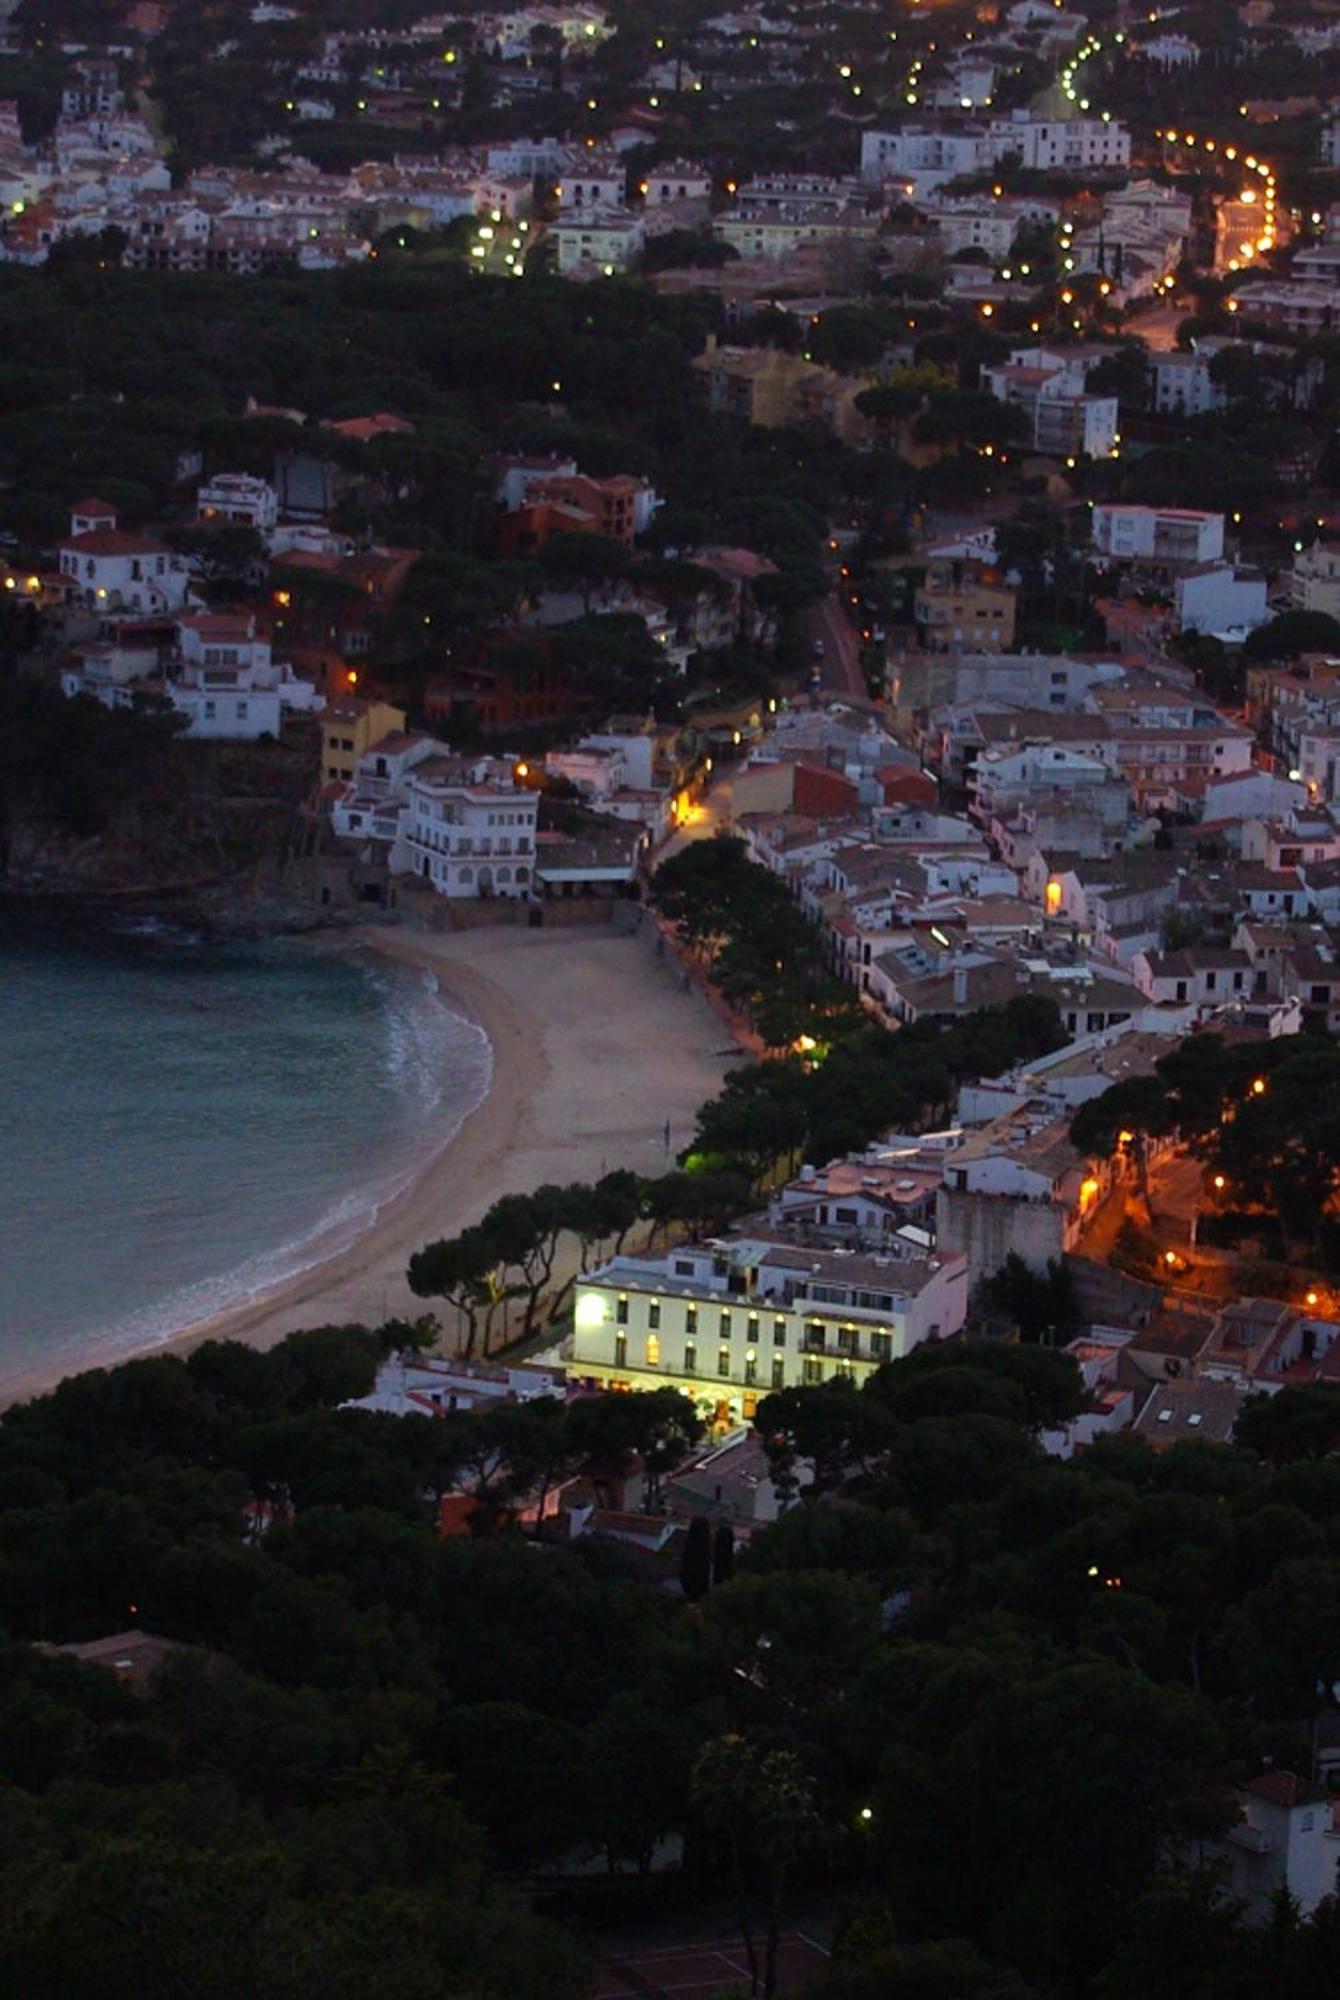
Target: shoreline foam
583, 1078
265, 1274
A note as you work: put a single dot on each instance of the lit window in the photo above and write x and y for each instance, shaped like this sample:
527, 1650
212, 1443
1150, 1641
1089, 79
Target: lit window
653, 1350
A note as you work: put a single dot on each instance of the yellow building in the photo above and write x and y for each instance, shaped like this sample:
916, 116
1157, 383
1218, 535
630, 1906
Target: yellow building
963, 604
349, 727
729, 1321
775, 391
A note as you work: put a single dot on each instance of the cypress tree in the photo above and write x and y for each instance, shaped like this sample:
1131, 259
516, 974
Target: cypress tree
723, 1553
695, 1567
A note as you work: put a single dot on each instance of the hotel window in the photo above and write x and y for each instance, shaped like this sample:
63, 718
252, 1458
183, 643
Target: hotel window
751, 1366
881, 1346
779, 1332
653, 1350
847, 1343
690, 1357
813, 1371
654, 1315
724, 1328
690, 1319
723, 1361
751, 1330
621, 1311
778, 1371
620, 1350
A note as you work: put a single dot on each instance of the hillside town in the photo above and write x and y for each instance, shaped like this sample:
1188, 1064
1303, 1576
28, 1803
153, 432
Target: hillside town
1031, 734
844, 503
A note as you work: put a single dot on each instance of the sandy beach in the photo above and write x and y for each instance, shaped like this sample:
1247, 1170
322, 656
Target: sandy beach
595, 1046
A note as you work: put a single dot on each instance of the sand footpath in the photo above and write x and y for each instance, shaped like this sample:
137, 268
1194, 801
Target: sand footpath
596, 1045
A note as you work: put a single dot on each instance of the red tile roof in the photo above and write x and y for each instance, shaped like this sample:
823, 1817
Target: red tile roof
363, 429
1284, 1788
114, 542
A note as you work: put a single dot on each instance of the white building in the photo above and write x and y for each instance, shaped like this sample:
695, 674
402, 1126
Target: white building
676, 180
115, 570
980, 225
1286, 1840
1006, 777
368, 808
1314, 581
1319, 760
971, 84
238, 497
531, 158
922, 156
468, 828
514, 476
223, 679
1171, 52
1111, 1405
591, 184
1292, 308
1041, 143
771, 230
217, 673
1184, 386
432, 1385
1204, 977
728, 1321
602, 766
601, 775
1158, 534
1222, 601
1017, 1187
1047, 385
591, 242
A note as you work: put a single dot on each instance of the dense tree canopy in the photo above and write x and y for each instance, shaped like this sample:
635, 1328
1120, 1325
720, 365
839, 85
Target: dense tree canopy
925, 1678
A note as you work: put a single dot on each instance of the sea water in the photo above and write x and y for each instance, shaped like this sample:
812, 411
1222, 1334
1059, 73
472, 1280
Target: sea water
185, 1123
